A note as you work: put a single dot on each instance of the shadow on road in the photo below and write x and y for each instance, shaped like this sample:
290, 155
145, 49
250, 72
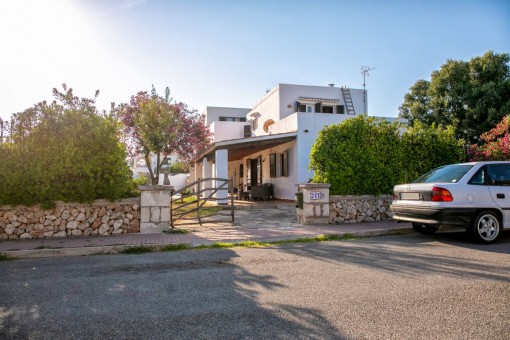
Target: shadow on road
410, 255
184, 295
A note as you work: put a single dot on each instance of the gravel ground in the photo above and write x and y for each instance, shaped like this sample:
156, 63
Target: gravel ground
394, 287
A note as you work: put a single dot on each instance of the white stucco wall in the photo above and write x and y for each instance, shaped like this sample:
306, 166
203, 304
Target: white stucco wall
233, 172
178, 181
227, 130
287, 124
289, 94
357, 100
213, 113
281, 102
268, 108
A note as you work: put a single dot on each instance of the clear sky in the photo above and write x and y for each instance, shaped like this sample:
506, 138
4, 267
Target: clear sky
228, 52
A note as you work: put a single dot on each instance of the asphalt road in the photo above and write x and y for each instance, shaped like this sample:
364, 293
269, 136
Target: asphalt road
395, 287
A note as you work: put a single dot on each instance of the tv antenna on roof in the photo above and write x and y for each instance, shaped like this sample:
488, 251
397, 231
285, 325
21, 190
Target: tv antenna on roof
364, 72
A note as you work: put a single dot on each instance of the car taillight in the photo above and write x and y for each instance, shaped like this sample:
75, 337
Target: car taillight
441, 195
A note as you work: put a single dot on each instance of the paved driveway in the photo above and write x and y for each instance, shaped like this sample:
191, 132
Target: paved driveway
394, 287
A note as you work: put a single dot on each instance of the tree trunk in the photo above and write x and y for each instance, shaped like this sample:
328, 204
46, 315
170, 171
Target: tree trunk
158, 167
149, 166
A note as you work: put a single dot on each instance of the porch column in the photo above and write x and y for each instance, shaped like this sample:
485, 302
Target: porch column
221, 157
206, 173
196, 172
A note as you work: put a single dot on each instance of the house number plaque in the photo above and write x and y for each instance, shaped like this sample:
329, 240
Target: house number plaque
316, 195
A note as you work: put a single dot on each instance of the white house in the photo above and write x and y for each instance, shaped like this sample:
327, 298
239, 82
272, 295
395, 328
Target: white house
271, 142
139, 168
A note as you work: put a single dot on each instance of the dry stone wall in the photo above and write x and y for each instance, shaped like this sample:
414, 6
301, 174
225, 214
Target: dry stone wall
70, 219
355, 209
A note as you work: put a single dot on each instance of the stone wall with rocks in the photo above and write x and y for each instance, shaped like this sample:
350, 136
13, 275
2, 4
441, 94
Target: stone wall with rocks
70, 219
355, 209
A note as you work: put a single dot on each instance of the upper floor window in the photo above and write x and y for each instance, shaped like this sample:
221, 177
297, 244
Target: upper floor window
306, 108
322, 107
254, 123
327, 109
232, 119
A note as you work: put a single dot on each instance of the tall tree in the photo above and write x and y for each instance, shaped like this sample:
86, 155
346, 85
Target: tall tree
471, 96
160, 126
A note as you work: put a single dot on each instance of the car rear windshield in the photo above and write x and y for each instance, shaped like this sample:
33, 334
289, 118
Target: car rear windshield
445, 174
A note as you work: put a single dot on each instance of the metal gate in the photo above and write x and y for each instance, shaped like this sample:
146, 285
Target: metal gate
187, 208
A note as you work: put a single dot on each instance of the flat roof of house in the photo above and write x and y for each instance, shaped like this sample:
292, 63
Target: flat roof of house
240, 148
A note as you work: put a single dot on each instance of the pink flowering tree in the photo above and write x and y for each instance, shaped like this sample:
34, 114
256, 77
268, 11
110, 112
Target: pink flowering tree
160, 126
494, 144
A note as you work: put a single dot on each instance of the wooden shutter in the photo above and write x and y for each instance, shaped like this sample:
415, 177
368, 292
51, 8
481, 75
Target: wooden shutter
272, 165
318, 107
285, 163
247, 131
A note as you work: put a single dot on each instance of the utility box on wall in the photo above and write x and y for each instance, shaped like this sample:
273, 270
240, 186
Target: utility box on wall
315, 203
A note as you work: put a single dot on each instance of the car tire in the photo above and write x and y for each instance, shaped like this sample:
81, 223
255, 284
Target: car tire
485, 228
424, 228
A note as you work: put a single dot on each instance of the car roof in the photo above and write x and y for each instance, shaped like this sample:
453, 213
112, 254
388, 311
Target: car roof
483, 162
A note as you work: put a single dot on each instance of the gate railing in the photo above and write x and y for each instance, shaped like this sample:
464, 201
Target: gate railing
184, 211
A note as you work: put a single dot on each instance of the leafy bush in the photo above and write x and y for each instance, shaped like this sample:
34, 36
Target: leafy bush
365, 155
141, 180
66, 151
179, 168
427, 147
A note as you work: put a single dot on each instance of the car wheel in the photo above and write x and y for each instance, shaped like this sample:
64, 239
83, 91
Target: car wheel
485, 227
424, 228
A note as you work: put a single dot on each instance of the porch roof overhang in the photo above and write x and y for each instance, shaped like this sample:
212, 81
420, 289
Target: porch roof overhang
240, 148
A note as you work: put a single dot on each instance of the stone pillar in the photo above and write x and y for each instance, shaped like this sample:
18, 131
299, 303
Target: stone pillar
221, 157
315, 203
206, 173
155, 208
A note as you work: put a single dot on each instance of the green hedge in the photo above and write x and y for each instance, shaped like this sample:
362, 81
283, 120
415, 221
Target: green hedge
64, 151
365, 155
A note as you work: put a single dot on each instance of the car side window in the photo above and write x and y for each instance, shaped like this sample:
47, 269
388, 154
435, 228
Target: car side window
498, 174
479, 177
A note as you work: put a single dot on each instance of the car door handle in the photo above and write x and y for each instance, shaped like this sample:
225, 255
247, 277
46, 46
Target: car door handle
500, 195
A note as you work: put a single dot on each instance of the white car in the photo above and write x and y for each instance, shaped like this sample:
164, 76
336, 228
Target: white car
475, 196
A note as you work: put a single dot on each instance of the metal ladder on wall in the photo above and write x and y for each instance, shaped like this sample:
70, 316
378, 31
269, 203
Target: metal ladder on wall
348, 100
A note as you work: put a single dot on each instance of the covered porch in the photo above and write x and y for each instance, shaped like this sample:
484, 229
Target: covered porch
260, 167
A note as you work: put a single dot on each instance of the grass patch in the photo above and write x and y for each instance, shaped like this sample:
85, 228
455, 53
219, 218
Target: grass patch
245, 244
46, 247
206, 210
242, 244
175, 247
5, 257
320, 238
253, 244
257, 244
137, 250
